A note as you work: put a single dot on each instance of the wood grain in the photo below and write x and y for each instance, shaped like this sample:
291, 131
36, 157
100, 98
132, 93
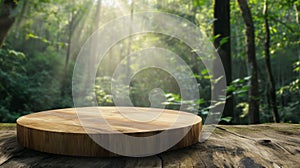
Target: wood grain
60, 131
264, 145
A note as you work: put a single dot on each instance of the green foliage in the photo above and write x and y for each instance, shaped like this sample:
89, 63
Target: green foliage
201, 106
291, 113
102, 92
32, 60
294, 86
198, 3
239, 87
11, 76
26, 84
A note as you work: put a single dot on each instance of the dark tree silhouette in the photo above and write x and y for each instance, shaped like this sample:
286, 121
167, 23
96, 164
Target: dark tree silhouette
253, 95
6, 19
272, 89
221, 30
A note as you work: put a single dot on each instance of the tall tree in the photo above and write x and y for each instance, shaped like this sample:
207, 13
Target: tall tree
6, 17
253, 95
296, 7
76, 14
93, 49
296, 4
272, 89
130, 38
221, 31
71, 25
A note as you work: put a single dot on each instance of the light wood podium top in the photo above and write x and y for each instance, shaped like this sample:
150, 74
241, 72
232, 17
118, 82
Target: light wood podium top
105, 119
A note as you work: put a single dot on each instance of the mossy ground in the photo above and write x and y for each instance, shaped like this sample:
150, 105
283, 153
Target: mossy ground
7, 126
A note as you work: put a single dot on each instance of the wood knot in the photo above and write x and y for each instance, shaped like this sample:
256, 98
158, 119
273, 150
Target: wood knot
264, 141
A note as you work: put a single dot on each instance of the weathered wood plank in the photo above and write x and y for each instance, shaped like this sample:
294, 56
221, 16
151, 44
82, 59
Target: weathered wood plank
265, 145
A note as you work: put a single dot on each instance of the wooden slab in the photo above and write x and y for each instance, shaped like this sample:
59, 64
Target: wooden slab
61, 132
264, 145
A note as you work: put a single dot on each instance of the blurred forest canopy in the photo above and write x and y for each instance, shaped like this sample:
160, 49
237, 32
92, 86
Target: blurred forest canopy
45, 36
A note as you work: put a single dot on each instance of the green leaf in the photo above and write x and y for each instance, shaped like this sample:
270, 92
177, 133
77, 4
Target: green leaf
204, 72
224, 41
238, 80
207, 77
197, 3
197, 76
200, 101
226, 119
30, 35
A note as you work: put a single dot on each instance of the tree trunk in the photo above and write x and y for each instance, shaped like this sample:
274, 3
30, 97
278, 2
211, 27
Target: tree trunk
221, 29
98, 15
272, 90
130, 38
6, 20
93, 48
297, 13
68, 55
21, 18
296, 7
253, 95
74, 19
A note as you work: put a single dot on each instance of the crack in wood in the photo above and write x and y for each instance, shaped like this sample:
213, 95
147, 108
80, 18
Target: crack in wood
236, 134
162, 160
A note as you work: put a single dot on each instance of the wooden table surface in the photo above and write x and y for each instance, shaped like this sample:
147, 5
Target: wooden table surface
264, 145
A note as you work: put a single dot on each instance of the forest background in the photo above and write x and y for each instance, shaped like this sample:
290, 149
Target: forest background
258, 42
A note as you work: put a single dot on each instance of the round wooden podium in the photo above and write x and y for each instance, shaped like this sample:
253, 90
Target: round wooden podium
61, 132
